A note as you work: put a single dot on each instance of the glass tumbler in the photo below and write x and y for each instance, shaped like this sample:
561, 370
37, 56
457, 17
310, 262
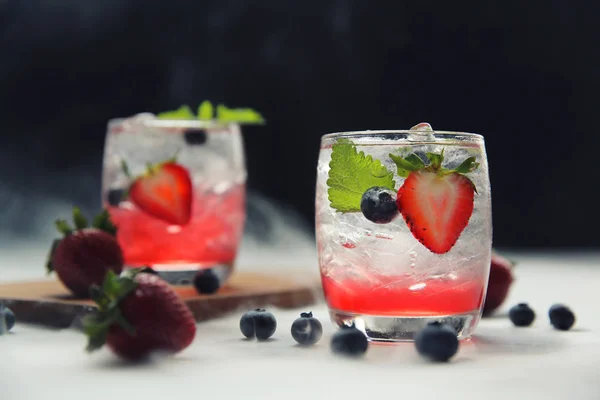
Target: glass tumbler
404, 230
175, 189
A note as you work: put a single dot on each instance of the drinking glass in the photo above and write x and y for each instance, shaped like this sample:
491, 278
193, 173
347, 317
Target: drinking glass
175, 189
417, 247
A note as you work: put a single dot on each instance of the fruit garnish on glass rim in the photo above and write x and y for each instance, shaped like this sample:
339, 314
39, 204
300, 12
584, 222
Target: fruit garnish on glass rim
220, 113
436, 202
163, 191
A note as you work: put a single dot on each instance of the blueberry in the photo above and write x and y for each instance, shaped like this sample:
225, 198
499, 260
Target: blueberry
307, 330
378, 204
10, 318
206, 282
195, 137
437, 341
561, 317
521, 315
258, 323
349, 341
115, 196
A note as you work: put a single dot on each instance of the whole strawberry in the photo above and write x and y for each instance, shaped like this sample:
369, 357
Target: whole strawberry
500, 280
85, 254
139, 314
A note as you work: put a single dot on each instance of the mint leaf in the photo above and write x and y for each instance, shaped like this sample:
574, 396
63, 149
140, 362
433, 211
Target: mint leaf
351, 173
469, 165
183, 112
206, 111
407, 164
241, 115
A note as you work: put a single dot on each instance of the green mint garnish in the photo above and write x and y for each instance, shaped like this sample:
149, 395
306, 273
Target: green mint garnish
351, 173
183, 112
223, 114
206, 111
243, 115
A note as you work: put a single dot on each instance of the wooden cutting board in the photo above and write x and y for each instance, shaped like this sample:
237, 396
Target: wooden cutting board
48, 303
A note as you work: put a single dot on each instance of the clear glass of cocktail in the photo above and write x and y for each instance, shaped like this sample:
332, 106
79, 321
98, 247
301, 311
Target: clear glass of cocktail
175, 190
404, 229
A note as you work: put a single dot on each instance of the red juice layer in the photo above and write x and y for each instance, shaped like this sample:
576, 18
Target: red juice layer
211, 237
404, 296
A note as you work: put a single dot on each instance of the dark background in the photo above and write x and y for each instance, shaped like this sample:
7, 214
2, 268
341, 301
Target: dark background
523, 74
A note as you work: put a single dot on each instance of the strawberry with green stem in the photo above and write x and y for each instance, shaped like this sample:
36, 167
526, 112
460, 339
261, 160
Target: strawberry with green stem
138, 314
85, 253
164, 191
436, 202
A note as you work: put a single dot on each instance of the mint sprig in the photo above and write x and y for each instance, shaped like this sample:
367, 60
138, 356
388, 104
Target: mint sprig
351, 173
221, 113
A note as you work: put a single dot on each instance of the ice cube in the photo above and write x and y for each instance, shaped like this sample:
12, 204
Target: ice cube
422, 127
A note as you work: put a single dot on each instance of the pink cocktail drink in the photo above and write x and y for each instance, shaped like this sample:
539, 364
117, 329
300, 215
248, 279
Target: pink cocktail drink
175, 190
211, 237
403, 226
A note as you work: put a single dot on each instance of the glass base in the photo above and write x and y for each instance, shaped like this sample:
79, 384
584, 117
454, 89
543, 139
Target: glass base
402, 329
183, 274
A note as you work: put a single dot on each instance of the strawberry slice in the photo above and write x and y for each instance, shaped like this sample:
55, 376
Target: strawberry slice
165, 192
436, 203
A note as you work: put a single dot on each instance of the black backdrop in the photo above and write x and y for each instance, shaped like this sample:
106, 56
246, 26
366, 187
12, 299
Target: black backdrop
523, 74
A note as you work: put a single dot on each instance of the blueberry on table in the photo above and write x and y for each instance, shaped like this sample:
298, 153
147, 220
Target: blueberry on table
9, 318
349, 341
206, 282
521, 315
378, 204
437, 342
307, 330
258, 323
195, 137
115, 196
561, 317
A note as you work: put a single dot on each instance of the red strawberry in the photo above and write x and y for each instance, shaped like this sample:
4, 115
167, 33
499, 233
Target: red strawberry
436, 203
500, 280
165, 192
84, 255
139, 314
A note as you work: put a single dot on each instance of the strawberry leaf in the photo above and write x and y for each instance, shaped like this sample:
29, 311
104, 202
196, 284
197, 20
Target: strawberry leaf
108, 297
49, 266
102, 221
79, 220
469, 165
436, 160
408, 164
351, 173
125, 168
63, 227
206, 111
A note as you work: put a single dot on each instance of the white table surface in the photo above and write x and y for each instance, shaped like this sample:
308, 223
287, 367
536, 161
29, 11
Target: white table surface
500, 362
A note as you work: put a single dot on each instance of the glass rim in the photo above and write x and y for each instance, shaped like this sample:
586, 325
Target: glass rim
177, 123
409, 134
